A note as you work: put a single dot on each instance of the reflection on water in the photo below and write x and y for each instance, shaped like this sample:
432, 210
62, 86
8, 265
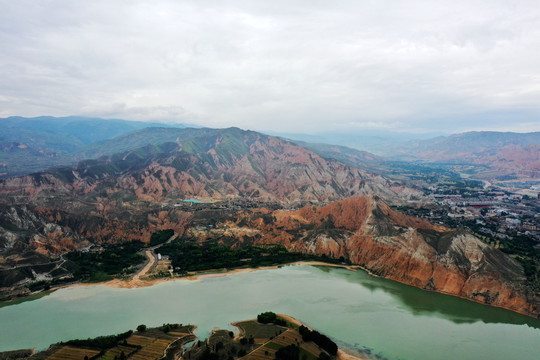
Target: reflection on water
422, 302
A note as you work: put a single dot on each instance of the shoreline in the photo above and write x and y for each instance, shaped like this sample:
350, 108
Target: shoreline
342, 354
136, 282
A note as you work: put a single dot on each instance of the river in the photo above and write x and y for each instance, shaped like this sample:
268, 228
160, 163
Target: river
361, 312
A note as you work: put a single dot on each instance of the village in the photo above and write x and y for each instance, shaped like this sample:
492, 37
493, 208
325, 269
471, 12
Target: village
497, 212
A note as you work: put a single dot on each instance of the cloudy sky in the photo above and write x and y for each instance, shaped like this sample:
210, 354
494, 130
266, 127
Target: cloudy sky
292, 66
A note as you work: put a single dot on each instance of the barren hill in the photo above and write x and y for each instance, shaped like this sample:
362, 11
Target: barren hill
368, 232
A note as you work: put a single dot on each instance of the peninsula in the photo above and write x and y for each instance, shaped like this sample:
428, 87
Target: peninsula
270, 336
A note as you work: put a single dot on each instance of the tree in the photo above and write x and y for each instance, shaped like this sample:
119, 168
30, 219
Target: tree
323, 341
324, 356
266, 317
141, 328
290, 352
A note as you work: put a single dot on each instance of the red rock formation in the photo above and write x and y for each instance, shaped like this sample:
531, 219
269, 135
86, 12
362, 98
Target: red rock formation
402, 248
248, 165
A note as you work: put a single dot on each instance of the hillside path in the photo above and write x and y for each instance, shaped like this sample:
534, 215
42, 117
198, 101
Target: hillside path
151, 259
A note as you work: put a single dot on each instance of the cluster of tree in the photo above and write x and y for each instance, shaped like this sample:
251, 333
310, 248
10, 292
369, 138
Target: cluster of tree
290, 352
209, 355
321, 340
187, 255
101, 342
270, 317
524, 248
114, 259
246, 341
160, 237
530, 269
16, 354
324, 356
168, 327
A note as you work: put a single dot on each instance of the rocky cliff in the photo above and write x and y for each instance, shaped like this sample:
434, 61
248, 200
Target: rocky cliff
129, 195
387, 243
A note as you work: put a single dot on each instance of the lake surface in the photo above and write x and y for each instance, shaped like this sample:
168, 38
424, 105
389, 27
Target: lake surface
359, 311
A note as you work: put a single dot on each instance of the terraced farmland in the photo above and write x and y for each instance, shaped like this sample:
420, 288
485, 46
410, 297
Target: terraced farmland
290, 337
139, 340
262, 353
116, 352
178, 334
154, 350
257, 341
260, 332
72, 353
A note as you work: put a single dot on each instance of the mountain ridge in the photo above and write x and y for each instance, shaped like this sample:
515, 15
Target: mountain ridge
367, 232
262, 166
504, 153
34, 144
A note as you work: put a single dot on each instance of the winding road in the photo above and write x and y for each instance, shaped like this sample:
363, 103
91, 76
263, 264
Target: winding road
151, 259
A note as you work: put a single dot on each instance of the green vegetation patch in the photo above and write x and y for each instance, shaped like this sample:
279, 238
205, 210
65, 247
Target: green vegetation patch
522, 247
120, 352
160, 237
290, 352
113, 260
187, 255
15, 354
270, 317
321, 340
306, 355
100, 342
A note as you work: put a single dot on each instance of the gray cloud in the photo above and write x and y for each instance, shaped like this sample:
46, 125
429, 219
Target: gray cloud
295, 66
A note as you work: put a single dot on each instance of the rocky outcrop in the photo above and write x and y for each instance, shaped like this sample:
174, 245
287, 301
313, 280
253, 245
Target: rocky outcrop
33, 238
128, 196
52, 231
398, 247
231, 163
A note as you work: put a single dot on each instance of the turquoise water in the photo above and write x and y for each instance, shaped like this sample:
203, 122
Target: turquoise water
193, 201
360, 312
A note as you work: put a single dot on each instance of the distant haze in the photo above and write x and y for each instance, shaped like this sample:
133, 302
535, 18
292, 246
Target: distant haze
311, 67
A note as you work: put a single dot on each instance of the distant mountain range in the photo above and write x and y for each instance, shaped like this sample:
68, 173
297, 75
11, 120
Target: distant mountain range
34, 144
497, 154
128, 186
206, 163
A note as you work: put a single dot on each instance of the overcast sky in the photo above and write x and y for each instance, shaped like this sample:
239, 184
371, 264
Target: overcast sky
291, 66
